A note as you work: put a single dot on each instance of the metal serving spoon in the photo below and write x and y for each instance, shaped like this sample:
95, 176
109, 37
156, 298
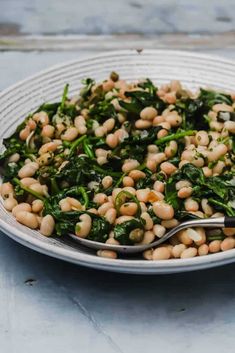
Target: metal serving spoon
220, 222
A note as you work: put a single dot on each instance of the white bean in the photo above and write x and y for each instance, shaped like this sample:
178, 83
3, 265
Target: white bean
27, 218
163, 210
148, 220
24, 206
47, 225
82, 228
28, 170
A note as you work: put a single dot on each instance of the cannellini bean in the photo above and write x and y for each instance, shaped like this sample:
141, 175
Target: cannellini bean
163, 210
102, 160
65, 205
207, 172
136, 174
28, 170
109, 254
115, 193
207, 209
153, 149
121, 134
158, 157
100, 152
148, 238
111, 140
184, 237
171, 149
75, 204
111, 215
148, 220
202, 138
123, 219
14, 158
170, 97
28, 181
217, 152
165, 125
107, 181
177, 250
185, 192
227, 231
148, 113
203, 250
128, 181
171, 223
100, 131
128, 209
227, 244
48, 131
158, 119
168, 168
159, 186
215, 125
143, 124
104, 208
109, 124
79, 120
31, 124
112, 241
201, 232
93, 210
151, 165
27, 218
189, 252
70, 134
82, 129
24, 206
6, 189
41, 189
100, 198
48, 147
218, 168
161, 253
148, 254
159, 230
173, 119
82, 228
121, 118
214, 246
222, 107
143, 194
191, 205
230, 126
24, 133
108, 85
130, 189
47, 225
37, 206
129, 165
162, 133
10, 203
41, 118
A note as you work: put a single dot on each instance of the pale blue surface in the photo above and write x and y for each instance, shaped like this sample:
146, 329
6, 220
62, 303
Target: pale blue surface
109, 16
71, 309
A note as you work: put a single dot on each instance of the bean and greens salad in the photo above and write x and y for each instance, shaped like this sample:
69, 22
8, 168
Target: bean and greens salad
121, 163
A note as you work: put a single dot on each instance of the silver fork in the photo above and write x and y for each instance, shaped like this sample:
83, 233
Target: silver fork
219, 222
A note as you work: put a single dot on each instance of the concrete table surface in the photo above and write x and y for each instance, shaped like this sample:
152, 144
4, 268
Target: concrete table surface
47, 305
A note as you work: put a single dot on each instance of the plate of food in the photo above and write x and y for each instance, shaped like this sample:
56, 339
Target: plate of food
123, 162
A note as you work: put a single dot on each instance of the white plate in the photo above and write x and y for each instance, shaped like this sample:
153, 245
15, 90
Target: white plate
193, 70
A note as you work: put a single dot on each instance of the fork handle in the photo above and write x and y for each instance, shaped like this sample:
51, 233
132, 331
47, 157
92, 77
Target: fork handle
229, 222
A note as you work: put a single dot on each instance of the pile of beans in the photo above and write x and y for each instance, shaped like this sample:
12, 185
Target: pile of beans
200, 149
